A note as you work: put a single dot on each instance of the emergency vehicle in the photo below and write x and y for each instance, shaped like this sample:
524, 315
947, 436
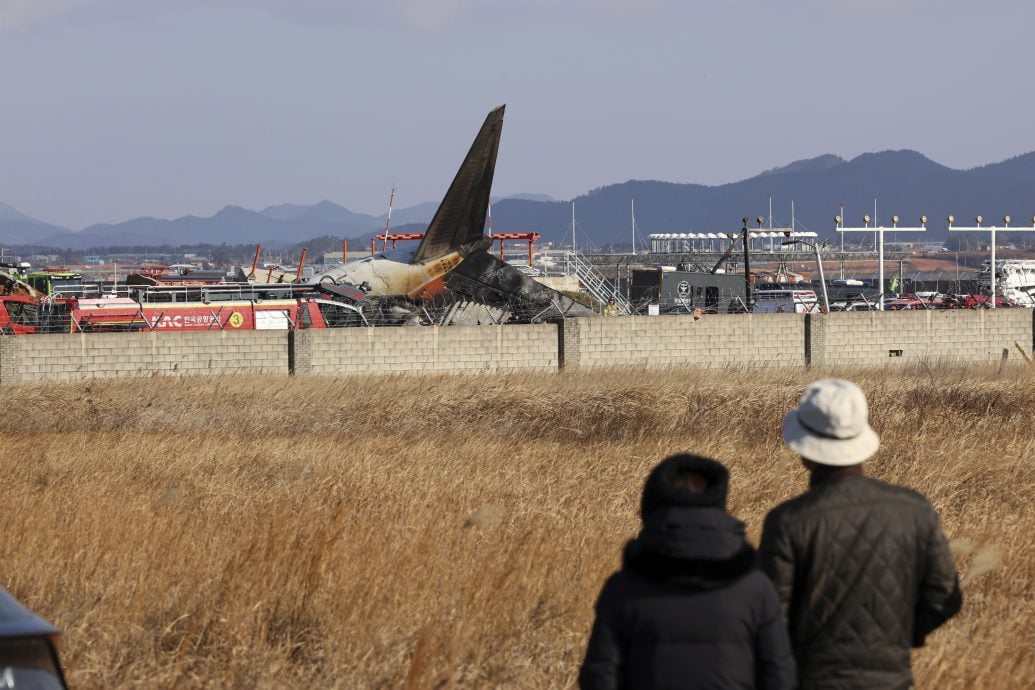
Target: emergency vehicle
23, 315
786, 301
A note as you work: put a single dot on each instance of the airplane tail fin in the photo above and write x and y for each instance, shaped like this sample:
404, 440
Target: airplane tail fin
460, 217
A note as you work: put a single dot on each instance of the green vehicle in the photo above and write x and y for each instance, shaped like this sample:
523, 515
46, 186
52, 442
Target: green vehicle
56, 283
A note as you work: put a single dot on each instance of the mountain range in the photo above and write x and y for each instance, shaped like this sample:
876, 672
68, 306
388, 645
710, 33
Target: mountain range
904, 182
16, 228
275, 226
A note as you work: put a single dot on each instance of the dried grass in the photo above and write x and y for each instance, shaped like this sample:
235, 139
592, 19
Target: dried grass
428, 532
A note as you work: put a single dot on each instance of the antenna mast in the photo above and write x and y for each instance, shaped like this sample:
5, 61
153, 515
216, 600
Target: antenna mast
388, 222
842, 237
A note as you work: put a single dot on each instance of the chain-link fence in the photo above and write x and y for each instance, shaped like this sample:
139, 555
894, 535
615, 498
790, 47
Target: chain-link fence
486, 292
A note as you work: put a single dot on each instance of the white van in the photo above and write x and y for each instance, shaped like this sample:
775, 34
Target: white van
786, 302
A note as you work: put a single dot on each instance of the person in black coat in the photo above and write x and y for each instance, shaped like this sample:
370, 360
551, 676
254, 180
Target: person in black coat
862, 567
688, 609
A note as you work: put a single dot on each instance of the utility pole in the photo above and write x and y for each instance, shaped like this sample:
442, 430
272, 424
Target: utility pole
747, 264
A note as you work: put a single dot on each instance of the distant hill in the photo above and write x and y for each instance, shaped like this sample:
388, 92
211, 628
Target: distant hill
529, 197
231, 225
11, 213
16, 228
326, 211
904, 182
823, 162
275, 226
421, 213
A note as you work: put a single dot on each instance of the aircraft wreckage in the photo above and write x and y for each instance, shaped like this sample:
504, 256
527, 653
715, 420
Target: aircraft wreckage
451, 266
449, 277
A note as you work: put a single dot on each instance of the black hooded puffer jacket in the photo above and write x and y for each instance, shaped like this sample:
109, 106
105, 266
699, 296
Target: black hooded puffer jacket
688, 609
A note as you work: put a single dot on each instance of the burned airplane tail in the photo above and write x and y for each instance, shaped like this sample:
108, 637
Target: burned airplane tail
460, 217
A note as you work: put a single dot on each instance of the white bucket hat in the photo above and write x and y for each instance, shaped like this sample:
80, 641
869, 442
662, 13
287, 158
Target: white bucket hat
831, 424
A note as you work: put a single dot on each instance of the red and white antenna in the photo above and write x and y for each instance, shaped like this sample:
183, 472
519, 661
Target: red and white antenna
388, 222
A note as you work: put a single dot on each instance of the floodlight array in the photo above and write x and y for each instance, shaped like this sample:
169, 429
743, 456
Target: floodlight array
771, 234
991, 230
879, 231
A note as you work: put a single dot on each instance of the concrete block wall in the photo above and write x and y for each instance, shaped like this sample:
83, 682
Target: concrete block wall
431, 349
715, 341
764, 340
907, 337
108, 355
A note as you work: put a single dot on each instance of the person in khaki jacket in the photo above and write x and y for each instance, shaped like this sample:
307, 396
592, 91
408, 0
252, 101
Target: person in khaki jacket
861, 567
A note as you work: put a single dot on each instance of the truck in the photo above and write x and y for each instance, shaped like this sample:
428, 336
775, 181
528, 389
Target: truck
55, 282
23, 315
19, 315
790, 301
676, 291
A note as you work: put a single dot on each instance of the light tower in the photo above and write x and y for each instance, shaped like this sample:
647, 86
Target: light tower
991, 230
879, 231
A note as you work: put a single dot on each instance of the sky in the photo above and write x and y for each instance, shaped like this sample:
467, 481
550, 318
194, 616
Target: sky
113, 109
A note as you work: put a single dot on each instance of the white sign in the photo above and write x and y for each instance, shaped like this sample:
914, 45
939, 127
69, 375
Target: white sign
271, 320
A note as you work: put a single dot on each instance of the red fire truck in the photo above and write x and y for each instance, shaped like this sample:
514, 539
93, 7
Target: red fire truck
23, 315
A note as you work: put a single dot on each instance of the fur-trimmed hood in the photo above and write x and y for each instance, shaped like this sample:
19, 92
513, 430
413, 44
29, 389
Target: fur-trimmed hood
697, 548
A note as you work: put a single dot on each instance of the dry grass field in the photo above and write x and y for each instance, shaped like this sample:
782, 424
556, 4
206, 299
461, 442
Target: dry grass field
437, 532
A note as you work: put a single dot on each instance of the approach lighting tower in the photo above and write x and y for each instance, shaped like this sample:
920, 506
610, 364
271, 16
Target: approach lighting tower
879, 231
991, 230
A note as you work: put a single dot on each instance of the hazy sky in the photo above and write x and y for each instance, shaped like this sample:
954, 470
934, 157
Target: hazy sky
111, 109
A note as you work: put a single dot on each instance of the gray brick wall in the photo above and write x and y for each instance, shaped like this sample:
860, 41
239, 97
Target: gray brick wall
932, 336
767, 340
714, 341
109, 355
432, 349
8, 359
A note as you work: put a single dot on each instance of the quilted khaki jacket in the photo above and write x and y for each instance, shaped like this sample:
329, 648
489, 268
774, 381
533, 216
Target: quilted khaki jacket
863, 573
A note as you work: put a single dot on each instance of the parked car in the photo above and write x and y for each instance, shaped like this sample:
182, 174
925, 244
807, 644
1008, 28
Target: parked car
903, 304
28, 651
